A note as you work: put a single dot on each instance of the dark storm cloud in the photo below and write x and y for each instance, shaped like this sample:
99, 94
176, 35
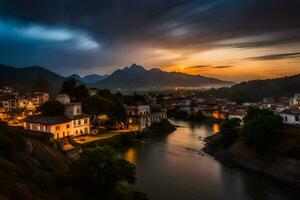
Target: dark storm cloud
276, 56
118, 29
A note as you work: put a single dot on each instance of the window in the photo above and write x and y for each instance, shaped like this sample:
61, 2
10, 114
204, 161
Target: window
285, 119
57, 128
68, 126
85, 121
78, 110
79, 122
74, 122
297, 118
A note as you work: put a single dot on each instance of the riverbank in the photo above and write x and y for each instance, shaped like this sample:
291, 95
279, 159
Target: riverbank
157, 129
282, 164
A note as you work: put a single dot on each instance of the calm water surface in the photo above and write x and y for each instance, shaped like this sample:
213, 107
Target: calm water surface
174, 167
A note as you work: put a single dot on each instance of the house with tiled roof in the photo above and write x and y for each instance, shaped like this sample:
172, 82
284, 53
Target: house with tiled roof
73, 123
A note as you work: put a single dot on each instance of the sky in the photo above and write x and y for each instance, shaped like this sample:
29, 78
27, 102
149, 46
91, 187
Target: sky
234, 40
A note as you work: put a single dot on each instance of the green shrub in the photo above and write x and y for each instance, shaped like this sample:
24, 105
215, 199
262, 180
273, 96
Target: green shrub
260, 129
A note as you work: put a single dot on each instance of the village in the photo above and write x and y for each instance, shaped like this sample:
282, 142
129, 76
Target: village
74, 127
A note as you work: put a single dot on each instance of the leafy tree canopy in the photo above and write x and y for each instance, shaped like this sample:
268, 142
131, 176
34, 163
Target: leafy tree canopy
52, 108
100, 170
260, 129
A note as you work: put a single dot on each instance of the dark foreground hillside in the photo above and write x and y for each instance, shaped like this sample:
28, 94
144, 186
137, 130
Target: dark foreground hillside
33, 169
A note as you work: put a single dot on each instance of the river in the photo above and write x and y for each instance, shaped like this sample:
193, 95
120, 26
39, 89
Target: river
174, 167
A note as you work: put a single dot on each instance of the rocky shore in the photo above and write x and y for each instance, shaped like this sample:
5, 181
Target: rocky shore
282, 165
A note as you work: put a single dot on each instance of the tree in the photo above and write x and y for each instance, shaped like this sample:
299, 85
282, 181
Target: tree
41, 85
253, 112
229, 131
68, 87
260, 129
99, 170
77, 93
80, 93
95, 105
52, 108
113, 108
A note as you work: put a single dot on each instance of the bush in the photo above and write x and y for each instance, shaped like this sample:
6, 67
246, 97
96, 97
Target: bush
260, 129
229, 131
98, 170
52, 108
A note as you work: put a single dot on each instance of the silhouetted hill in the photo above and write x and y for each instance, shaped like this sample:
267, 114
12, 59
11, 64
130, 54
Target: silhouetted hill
30, 79
136, 77
257, 89
93, 78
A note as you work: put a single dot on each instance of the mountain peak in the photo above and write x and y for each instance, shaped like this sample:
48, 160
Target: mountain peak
75, 76
134, 68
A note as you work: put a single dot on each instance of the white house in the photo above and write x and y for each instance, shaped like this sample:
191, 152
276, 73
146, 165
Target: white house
140, 117
295, 101
93, 91
237, 115
10, 103
72, 124
291, 117
40, 98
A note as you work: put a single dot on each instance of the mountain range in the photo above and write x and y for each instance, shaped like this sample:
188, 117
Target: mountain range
137, 77
34, 78
93, 78
29, 79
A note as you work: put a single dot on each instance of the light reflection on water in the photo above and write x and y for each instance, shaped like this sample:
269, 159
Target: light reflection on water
216, 128
130, 155
174, 167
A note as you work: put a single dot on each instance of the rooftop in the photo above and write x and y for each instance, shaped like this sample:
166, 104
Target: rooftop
48, 120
